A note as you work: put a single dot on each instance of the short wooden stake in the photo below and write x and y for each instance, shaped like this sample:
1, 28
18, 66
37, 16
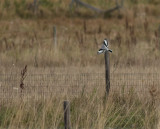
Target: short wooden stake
55, 36
66, 114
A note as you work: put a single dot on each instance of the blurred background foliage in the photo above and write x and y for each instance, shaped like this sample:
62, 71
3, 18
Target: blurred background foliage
49, 8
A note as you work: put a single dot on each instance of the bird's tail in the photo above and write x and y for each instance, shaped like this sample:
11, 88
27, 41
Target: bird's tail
110, 50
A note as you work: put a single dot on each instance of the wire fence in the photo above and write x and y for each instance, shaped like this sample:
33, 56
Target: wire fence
45, 85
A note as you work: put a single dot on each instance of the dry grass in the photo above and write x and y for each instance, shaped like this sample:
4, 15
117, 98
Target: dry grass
41, 104
132, 37
31, 42
26, 37
119, 111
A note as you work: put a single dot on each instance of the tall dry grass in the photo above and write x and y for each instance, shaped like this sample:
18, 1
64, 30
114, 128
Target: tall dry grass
87, 111
40, 104
158, 121
27, 38
31, 42
132, 36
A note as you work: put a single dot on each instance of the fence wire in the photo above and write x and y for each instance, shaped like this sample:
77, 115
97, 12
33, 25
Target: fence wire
45, 85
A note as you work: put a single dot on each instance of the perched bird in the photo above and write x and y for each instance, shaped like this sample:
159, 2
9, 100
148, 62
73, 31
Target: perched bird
104, 47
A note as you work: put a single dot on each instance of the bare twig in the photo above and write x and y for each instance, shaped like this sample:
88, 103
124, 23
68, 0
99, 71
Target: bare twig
95, 39
84, 26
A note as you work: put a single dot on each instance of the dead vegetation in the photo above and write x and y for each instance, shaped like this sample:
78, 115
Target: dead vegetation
31, 42
26, 37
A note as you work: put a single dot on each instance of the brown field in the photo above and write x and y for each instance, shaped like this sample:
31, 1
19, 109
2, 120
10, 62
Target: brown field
133, 34
73, 71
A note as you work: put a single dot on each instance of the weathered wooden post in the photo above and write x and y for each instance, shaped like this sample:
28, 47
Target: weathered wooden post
104, 49
55, 36
159, 36
66, 114
107, 72
35, 5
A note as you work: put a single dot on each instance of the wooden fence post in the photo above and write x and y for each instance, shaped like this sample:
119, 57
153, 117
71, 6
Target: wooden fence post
158, 38
107, 72
66, 114
35, 5
55, 37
